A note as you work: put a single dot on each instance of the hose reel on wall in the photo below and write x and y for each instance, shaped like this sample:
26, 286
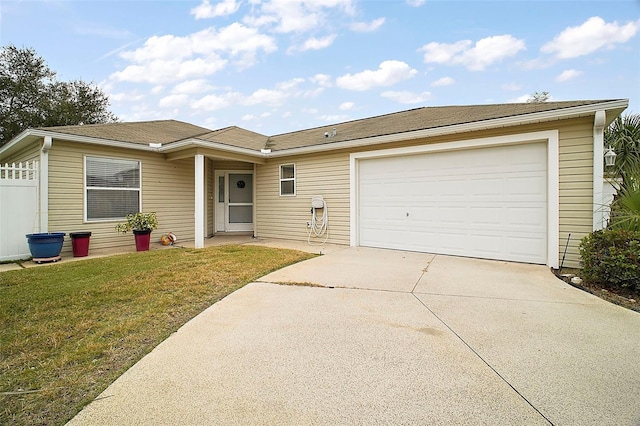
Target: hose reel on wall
318, 226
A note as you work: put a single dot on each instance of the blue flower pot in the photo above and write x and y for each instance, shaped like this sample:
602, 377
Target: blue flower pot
45, 245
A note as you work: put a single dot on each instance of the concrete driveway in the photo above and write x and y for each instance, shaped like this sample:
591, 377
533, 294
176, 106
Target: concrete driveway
392, 338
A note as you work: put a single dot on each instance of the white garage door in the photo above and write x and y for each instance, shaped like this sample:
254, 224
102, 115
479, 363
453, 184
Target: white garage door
487, 202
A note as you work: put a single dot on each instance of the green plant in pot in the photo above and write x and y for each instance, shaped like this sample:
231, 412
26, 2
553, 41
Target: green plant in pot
141, 224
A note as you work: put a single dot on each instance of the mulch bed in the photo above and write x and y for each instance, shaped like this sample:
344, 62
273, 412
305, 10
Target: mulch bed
623, 297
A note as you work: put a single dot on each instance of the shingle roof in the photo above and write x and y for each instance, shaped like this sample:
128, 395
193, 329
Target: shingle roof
143, 132
236, 136
412, 120
167, 131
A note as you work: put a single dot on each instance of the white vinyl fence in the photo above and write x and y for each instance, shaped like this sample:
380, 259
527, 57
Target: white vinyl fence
18, 208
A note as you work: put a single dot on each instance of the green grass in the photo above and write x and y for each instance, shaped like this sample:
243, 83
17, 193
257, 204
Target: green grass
69, 330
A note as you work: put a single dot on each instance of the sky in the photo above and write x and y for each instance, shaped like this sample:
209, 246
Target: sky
275, 66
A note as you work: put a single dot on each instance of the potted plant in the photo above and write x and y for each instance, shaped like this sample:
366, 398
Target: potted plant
141, 224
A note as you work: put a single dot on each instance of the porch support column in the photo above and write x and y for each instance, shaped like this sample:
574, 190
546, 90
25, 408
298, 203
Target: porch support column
598, 169
200, 199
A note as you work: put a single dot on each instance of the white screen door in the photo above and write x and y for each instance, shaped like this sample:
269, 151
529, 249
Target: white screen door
234, 204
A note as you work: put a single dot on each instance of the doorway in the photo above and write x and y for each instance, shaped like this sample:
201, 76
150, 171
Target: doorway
234, 201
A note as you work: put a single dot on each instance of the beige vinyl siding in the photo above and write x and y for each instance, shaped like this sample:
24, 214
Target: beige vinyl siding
167, 188
328, 175
576, 186
286, 216
232, 165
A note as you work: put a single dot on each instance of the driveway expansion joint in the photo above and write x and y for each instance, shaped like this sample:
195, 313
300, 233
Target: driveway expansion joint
514, 299
484, 361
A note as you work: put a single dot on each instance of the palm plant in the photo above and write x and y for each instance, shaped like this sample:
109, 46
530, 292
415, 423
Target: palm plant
623, 135
625, 209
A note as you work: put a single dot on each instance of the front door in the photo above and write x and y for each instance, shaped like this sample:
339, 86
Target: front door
234, 201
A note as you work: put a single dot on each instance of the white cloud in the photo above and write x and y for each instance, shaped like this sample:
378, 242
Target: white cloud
520, 99
406, 97
164, 71
485, 52
223, 8
169, 57
323, 80
248, 117
567, 75
592, 35
416, 3
511, 86
345, 106
125, 97
213, 102
156, 90
290, 84
192, 87
173, 101
314, 44
335, 118
367, 27
526, 97
388, 74
288, 16
313, 93
536, 64
266, 96
444, 81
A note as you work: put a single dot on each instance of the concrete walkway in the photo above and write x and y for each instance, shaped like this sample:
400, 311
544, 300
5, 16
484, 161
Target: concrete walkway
392, 338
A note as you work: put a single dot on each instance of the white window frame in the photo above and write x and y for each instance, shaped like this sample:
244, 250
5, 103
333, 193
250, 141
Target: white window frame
86, 188
293, 179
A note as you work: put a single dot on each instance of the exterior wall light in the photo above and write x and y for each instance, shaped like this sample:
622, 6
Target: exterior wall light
610, 157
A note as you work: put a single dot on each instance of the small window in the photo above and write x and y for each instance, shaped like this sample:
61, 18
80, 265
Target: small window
112, 188
288, 179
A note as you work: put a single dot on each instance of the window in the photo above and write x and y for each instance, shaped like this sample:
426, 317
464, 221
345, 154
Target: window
112, 188
287, 179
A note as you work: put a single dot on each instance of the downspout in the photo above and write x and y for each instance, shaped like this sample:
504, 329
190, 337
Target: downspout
44, 184
598, 169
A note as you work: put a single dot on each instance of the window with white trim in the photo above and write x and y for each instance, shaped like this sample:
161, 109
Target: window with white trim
287, 179
112, 188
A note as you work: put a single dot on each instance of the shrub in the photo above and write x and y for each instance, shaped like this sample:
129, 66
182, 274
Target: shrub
611, 258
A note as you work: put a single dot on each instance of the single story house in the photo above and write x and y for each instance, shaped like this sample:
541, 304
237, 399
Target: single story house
504, 181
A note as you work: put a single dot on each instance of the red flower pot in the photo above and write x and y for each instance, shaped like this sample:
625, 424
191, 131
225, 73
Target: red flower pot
143, 237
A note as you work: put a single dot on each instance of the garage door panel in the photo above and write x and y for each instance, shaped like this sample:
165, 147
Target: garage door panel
487, 202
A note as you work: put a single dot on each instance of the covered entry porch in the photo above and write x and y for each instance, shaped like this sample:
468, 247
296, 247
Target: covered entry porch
224, 191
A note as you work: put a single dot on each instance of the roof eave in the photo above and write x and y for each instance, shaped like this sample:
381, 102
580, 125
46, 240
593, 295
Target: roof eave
199, 143
15, 144
531, 118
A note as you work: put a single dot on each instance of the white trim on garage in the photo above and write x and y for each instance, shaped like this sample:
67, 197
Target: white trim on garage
550, 137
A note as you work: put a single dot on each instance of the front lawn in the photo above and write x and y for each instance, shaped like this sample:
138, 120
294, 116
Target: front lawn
69, 330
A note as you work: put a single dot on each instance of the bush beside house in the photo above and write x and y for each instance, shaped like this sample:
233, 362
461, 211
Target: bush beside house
611, 258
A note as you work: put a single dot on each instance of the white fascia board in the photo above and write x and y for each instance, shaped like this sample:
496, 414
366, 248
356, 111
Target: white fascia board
166, 147
538, 117
15, 141
84, 139
198, 143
